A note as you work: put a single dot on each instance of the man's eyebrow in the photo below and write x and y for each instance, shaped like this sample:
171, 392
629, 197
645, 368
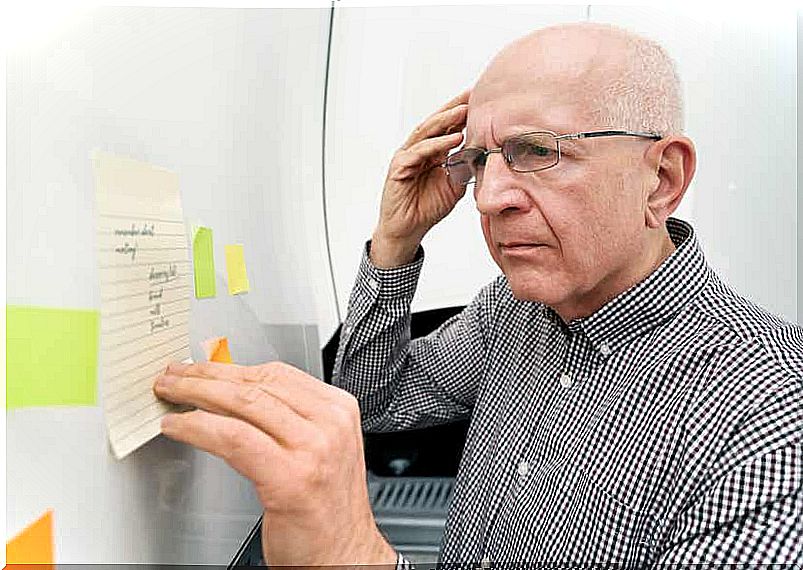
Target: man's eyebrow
469, 144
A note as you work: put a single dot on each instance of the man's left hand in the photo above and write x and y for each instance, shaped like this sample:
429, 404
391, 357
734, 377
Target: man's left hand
299, 441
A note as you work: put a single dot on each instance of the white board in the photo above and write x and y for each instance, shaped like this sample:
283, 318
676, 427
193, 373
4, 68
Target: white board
228, 100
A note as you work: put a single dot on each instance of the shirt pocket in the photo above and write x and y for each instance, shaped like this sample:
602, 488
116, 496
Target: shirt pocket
610, 531
588, 525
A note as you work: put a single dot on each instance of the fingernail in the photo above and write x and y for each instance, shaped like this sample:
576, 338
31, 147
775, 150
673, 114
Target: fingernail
165, 381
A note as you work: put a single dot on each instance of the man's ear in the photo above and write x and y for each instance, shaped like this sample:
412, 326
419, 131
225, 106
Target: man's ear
674, 160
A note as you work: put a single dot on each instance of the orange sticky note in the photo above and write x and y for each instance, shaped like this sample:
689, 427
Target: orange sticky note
222, 353
217, 350
34, 545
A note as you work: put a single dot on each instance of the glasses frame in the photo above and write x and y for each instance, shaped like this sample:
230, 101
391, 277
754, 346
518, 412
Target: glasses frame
558, 138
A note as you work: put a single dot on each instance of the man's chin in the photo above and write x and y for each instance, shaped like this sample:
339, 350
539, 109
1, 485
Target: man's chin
536, 291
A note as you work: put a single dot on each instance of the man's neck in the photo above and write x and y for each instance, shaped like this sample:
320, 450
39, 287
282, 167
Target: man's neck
656, 253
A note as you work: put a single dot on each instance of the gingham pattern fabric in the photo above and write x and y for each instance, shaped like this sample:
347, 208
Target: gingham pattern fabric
664, 428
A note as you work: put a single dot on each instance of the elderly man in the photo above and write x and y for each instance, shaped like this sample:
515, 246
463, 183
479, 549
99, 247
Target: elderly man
626, 406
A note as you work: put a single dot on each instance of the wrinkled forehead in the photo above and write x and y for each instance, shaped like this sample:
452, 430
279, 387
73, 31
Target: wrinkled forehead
550, 80
537, 85
501, 109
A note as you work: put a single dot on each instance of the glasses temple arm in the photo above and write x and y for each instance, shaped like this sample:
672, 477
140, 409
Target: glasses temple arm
594, 134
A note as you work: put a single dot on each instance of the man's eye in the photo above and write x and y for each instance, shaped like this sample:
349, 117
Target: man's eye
479, 161
538, 150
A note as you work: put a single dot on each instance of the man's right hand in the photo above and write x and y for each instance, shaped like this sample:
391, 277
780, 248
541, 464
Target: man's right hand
417, 194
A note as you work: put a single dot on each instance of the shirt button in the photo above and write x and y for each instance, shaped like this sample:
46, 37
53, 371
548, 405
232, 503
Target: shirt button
604, 349
524, 468
373, 283
486, 562
565, 380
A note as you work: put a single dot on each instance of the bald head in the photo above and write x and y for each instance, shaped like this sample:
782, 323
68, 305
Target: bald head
615, 78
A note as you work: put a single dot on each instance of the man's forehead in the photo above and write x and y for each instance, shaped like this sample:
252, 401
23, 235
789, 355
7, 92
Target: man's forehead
568, 65
570, 55
537, 84
503, 114
520, 90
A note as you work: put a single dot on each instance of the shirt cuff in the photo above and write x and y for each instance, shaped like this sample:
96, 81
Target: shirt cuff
402, 563
389, 283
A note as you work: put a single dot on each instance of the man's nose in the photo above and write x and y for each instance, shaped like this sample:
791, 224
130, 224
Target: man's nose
500, 189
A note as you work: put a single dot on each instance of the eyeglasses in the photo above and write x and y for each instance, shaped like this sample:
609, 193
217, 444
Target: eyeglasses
527, 152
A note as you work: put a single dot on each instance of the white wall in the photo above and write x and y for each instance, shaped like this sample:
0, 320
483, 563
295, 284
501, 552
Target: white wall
392, 67
232, 101
799, 288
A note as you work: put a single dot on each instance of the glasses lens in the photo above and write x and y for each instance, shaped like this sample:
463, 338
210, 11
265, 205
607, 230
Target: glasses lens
528, 153
462, 166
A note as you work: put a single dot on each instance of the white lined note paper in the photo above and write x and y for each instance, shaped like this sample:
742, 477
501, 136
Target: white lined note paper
145, 293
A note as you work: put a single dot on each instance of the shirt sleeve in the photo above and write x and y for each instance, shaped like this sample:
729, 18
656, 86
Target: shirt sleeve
402, 383
402, 563
750, 511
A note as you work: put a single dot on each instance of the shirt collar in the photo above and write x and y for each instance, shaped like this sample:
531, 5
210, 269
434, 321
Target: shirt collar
653, 301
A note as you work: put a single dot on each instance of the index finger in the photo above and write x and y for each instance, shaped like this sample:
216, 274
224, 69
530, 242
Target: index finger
444, 122
462, 98
297, 389
274, 372
217, 370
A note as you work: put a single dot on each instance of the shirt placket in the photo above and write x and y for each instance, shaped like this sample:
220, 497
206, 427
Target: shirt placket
527, 461
506, 472
572, 365
544, 444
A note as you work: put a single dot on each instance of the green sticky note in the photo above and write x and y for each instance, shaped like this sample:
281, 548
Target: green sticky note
51, 357
203, 261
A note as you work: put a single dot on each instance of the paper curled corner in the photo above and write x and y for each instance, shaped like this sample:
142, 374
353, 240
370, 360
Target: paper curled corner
216, 349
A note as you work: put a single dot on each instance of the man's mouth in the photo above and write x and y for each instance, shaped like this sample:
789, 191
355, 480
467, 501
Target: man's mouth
520, 245
512, 248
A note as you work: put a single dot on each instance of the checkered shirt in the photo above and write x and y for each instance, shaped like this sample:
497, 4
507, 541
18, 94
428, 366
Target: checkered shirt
663, 429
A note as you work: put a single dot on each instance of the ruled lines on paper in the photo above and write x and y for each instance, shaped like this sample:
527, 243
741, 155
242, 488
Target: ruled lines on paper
145, 286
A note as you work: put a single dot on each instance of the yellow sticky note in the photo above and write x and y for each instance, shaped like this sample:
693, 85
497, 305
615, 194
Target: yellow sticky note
51, 357
34, 545
235, 267
217, 350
